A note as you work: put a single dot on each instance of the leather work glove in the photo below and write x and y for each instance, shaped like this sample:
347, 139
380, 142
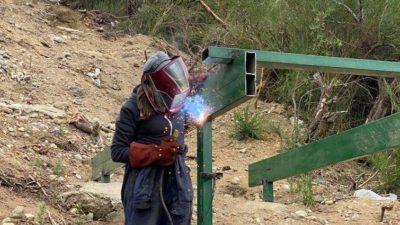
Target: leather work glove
163, 154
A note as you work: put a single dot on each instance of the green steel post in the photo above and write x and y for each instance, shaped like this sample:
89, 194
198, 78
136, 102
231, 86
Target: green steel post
204, 185
268, 191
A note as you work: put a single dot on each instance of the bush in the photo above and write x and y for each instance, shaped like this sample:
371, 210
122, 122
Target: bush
248, 124
305, 189
58, 167
387, 164
41, 214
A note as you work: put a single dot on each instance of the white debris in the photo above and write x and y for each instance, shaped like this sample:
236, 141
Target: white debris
368, 194
58, 39
95, 76
301, 213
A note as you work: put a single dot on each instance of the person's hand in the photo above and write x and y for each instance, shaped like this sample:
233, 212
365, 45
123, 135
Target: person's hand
167, 151
163, 154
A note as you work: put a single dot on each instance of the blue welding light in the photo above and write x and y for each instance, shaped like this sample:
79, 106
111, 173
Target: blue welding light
196, 108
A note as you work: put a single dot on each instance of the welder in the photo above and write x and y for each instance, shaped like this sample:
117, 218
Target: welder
156, 188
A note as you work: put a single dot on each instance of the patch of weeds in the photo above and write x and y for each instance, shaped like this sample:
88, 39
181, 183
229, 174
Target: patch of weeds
60, 131
37, 162
79, 209
274, 128
296, 138
41, 214
305, 189
387, 164
248, 124
58, 167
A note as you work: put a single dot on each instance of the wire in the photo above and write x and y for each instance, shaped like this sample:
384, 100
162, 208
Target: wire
162, 197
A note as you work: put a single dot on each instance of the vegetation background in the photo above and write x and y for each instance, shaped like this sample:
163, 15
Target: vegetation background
367, 29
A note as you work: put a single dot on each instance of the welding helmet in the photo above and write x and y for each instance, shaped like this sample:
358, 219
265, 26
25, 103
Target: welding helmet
165, 81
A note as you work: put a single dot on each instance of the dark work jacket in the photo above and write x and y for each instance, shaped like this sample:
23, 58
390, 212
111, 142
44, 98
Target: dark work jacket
141, 187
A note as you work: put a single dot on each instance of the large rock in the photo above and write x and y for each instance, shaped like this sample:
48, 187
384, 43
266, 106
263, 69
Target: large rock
99, 205
18, 213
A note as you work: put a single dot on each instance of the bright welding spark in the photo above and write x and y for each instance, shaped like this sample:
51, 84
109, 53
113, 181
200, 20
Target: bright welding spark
196, 108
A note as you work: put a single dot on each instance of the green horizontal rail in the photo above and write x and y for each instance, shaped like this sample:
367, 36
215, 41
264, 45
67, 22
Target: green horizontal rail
278, 60
103, 166
357, 142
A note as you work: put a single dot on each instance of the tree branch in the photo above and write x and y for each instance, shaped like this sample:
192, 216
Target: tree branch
208, 9
355, 17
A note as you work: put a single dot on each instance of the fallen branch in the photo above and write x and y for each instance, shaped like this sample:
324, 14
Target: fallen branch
38, 184
208, 9
51, 218
67, 29
370, 178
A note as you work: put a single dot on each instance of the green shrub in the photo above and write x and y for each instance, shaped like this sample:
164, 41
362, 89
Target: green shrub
58, 167
305, 189
248, 124
41, 214
38, 162
387, 164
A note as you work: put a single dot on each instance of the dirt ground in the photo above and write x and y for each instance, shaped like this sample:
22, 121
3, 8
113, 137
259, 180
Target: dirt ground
70, 67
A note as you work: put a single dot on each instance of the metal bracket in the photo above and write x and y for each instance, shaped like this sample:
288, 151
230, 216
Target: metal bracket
210, 176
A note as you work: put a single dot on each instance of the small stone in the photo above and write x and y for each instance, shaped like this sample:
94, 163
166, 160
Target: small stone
29, 217
9, 223
53, 177
61, 179
301, 214
53, 146
355, 217
6, 110
61, 105
18, 213
89, 216
74, 211
312, 218
235, 180
329, 202
21, 129
286, 187
58, 39
6, 220
225, 168
70, 186
228, 196
244, 150
78, 176
78, 157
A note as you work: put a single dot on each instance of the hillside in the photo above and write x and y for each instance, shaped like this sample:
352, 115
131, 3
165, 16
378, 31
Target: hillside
63, 78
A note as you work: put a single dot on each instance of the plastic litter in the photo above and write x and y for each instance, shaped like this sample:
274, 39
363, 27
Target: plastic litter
368, 194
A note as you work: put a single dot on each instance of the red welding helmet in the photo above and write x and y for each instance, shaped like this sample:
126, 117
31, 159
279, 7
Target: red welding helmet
165, 81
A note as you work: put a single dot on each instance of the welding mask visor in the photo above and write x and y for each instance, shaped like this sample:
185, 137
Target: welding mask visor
168, 87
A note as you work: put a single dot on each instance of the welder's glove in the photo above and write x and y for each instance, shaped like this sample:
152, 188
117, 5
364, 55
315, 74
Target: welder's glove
163, 154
